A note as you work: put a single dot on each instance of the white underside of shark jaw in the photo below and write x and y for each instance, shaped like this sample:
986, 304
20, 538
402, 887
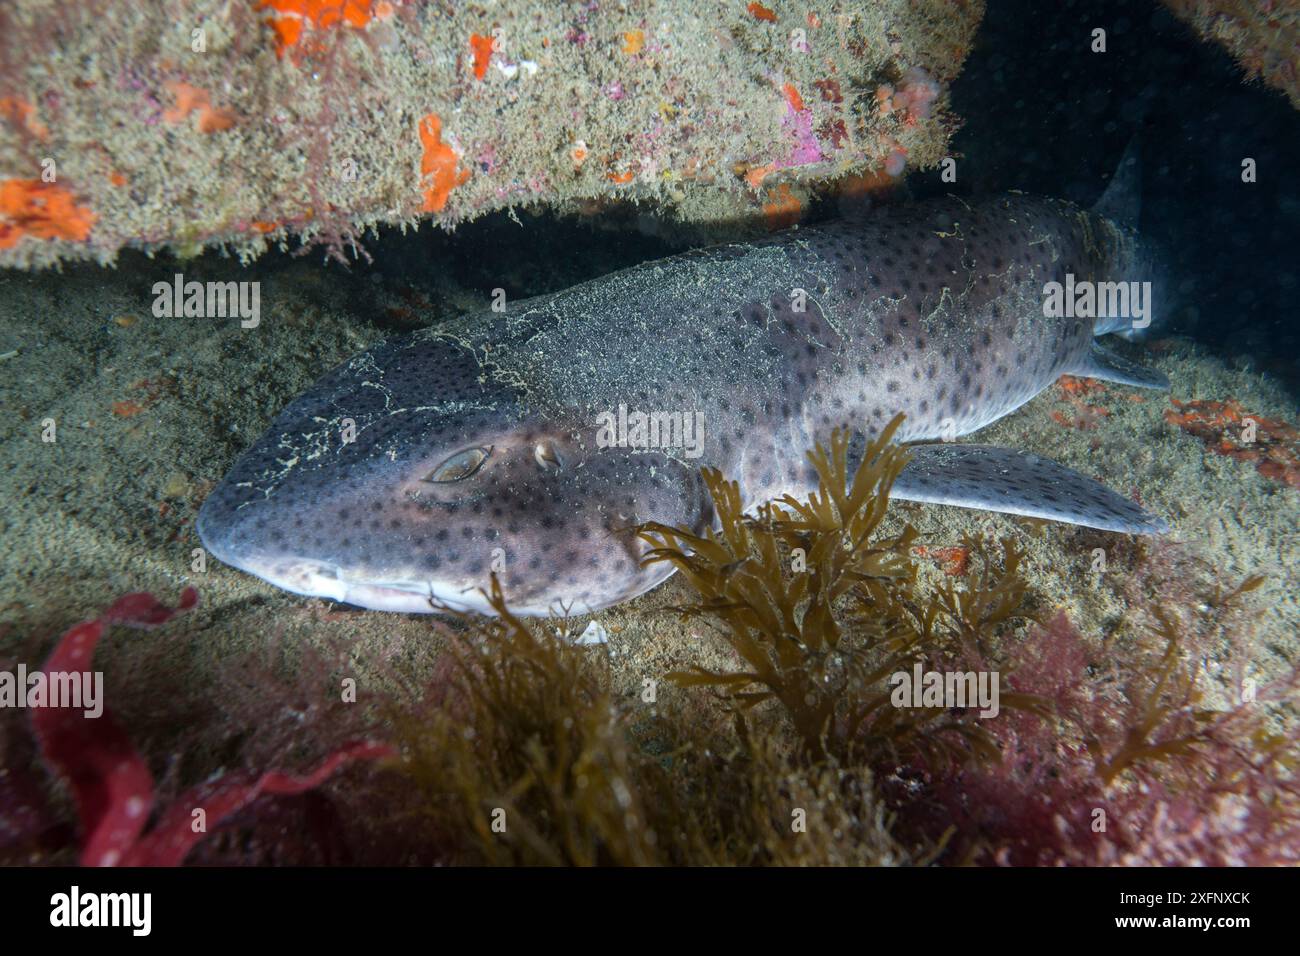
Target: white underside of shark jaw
433, 597
311, 579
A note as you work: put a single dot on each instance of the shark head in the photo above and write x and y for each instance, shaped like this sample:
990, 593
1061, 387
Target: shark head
408, 476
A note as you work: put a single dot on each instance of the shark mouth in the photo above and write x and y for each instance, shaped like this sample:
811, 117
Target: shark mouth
313, 579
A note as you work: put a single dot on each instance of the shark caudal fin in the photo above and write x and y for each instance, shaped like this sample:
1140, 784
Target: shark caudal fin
1018, 483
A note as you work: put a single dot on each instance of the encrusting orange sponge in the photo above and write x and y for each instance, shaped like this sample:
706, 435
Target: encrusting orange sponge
438, 166
30, 207
291, 16
482, 47
190, 99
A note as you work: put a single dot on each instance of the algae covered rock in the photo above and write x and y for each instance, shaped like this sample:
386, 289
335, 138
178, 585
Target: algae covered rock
246, 122
1263, 37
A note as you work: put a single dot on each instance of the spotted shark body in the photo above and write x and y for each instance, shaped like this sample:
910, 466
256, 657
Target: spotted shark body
403, 479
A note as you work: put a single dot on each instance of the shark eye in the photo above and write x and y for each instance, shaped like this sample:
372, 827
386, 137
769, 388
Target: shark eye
460, 465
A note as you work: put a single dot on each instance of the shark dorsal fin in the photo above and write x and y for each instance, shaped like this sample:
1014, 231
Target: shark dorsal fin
1122, 200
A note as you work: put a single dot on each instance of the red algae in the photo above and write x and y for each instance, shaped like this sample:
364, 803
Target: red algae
110, 780
23, 115
1086, 417
191, 99
782, 207
1228, 430
953, 561
1071, 385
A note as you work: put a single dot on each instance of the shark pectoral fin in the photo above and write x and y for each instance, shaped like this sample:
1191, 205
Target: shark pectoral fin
1106, 365
1014, 482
